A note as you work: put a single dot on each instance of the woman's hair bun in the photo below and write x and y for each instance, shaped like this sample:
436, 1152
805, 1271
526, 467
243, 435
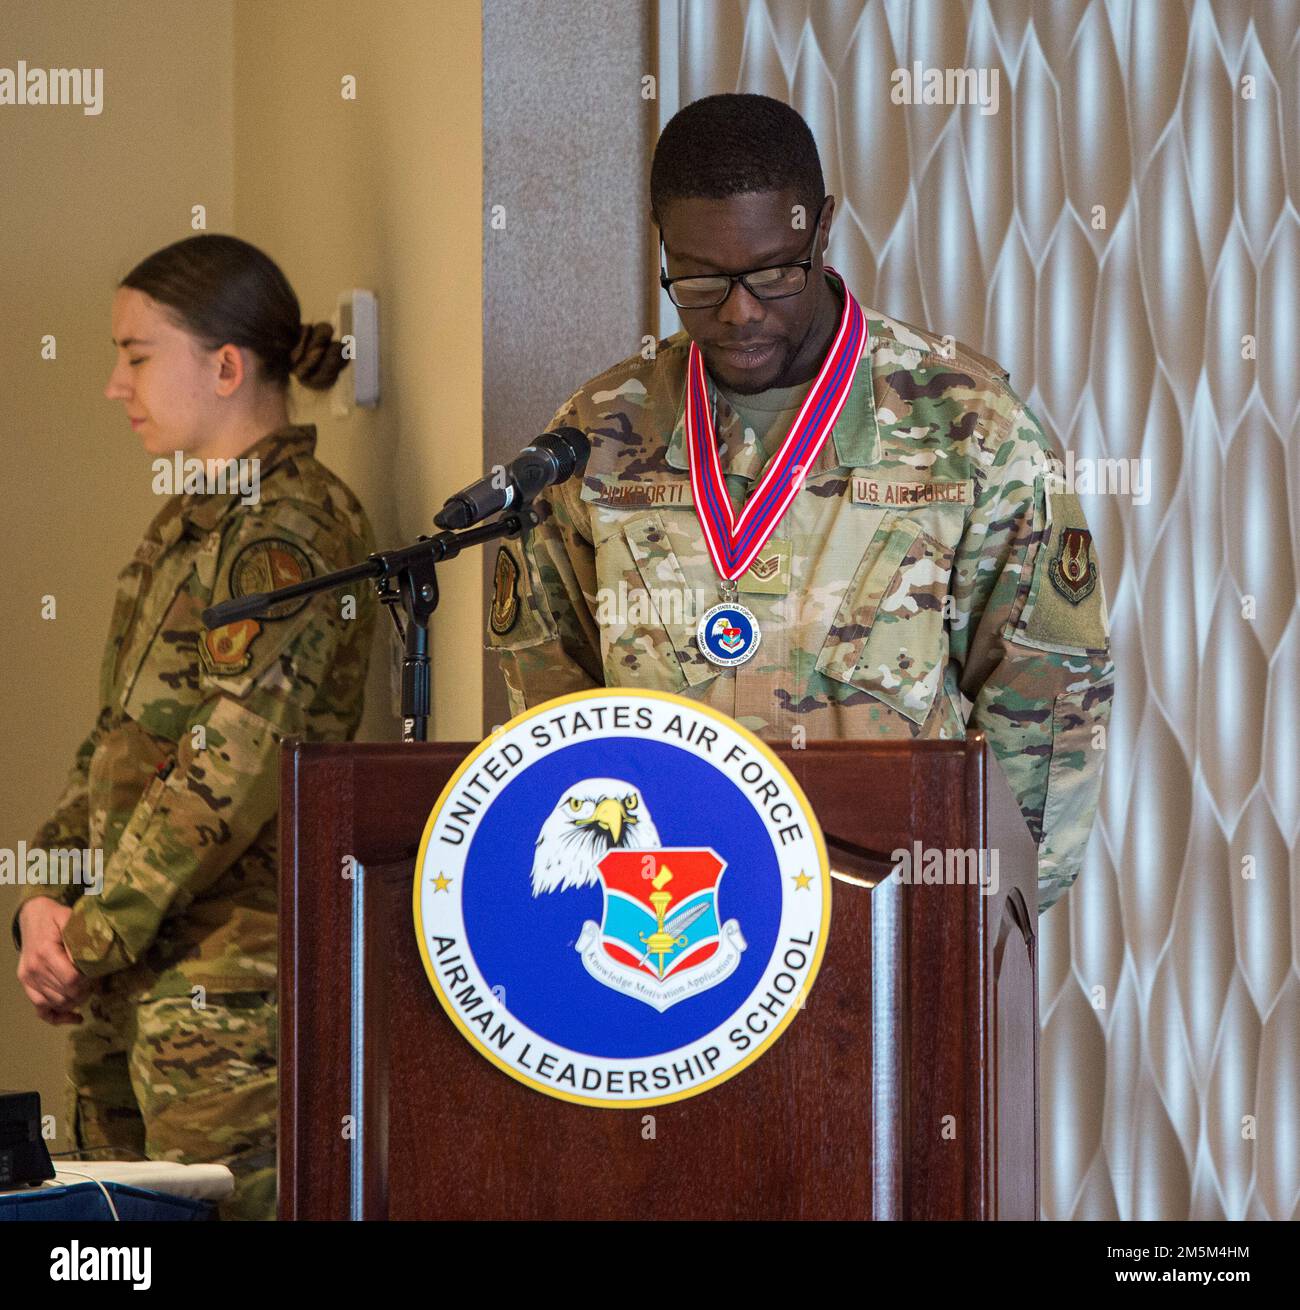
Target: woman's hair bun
221, 289
317, 359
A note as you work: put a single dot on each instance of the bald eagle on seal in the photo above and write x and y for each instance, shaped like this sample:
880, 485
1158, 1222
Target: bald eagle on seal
593, 817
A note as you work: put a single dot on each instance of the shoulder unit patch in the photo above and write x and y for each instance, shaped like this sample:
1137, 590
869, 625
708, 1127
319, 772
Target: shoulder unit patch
505, 594
228, 649
1073, 571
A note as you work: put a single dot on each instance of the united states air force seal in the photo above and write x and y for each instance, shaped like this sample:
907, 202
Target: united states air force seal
622, 898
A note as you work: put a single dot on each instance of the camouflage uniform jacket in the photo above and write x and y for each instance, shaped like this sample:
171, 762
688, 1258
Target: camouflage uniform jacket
178, 782
930, 575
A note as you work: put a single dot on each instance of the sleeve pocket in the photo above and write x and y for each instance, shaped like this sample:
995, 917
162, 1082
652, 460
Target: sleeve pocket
1061, 607
516, 619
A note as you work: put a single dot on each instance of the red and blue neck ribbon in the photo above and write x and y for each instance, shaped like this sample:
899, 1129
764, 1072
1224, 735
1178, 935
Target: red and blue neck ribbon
733, 544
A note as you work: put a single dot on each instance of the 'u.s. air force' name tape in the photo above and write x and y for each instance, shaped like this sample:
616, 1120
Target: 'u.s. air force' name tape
872, 491
622, 898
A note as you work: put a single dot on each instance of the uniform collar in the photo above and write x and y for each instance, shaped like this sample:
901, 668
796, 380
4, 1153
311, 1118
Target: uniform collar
854, 440
272, 451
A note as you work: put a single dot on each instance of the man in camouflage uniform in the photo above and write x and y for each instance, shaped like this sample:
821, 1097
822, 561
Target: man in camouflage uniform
175, 1056
928, 577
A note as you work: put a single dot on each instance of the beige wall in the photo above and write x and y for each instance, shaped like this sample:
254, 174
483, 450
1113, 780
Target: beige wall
383, 192
84, 198
235, 106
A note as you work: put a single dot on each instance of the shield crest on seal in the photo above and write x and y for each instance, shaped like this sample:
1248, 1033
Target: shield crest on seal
661, 939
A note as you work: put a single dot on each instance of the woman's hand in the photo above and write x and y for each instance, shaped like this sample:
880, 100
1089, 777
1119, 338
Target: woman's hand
54, 985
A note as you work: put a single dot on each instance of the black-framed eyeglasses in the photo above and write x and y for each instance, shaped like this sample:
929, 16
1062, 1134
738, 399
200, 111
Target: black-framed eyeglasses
774, 283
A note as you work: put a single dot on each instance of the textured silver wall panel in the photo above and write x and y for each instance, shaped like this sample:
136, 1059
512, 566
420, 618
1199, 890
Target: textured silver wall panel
1170, 995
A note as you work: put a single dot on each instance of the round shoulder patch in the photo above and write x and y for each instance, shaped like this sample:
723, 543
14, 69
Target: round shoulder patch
267, 565
622, 898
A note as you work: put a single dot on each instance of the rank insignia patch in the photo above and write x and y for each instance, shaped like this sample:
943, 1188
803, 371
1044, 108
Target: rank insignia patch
1073, 571
267, 565
769, 574
505, 595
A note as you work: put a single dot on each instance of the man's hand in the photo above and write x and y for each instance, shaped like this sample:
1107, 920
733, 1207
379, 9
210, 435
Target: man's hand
54, 985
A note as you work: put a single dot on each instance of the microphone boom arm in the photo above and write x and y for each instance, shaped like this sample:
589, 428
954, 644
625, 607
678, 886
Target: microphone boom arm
406, 576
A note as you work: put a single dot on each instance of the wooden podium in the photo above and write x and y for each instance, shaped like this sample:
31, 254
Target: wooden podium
906, 1089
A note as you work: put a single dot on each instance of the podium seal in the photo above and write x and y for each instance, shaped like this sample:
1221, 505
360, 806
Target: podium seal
622, 898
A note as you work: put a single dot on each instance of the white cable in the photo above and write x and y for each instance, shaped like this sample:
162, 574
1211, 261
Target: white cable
60, 1170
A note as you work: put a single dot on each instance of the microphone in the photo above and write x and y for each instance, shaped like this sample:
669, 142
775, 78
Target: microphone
553, 457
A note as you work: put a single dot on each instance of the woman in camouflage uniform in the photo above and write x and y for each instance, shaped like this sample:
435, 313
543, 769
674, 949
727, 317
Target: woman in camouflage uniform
168, 971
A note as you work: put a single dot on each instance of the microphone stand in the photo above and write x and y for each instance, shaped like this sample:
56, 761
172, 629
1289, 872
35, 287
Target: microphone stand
407, 577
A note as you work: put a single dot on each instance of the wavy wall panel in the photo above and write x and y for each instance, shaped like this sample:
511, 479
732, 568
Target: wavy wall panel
1170, 995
